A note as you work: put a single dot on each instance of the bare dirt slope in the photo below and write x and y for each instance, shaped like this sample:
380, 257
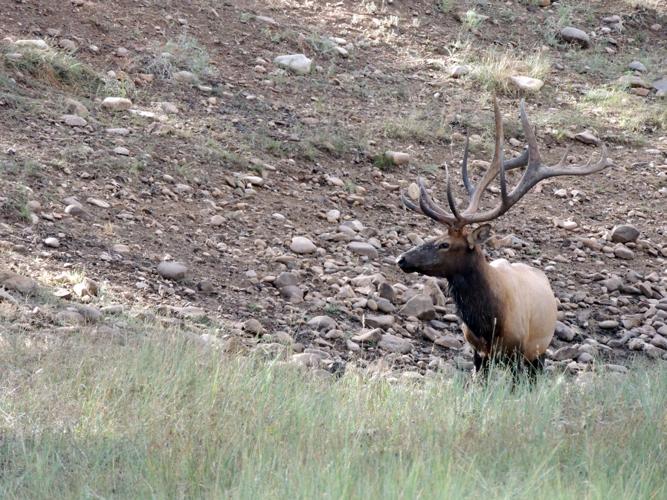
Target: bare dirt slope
223, 157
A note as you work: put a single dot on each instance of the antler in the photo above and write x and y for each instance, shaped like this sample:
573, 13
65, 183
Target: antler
535, 172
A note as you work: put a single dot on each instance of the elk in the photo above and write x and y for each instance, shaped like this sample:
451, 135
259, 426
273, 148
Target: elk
508, 310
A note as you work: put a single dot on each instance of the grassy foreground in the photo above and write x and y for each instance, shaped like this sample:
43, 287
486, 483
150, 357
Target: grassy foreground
164, 419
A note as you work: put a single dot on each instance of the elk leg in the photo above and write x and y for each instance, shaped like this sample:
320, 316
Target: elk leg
535, 367
481, 363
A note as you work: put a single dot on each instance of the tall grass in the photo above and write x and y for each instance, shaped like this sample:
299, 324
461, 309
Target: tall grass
166, 420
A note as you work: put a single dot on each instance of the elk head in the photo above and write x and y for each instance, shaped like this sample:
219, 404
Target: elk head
459, 250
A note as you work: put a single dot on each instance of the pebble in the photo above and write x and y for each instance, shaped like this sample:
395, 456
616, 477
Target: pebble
623, 252
253, 326
637, 66
74, 120
419, 306
52, 242
116, 103
121, 151
564, 332
302, 245
575, 35
458, 71
608, 324
527, 83
32, 44
298, 63
172, 270
587, 137
322, 323
121, 249
185, 77
392, 343
217, 220
397, 157
624, 234
379, 321
333, 216
361, 248
98, 203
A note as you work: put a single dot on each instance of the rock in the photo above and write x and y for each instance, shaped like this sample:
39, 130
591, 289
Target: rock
612, 284
564, 332
52, 242
74, 121
98, 203
397, 157
392, 343
172, 270
368, 336
298, 63
116, 103
527, 83
623, 252
575, 35
6, 296
253, 326
15, 282
587, 137
333, 215
608, 324
292, 294
121, 151
32, 44
302, 245
633, 81
185, 77
307, 359
322, 323
70, 317
637, 66
660, 87
386, 291
362, 248
449, 342
89, 313
87, 287
74, 107
217, 220
285, 279
659, 341
585, 357
419, 306
76, 211
566, 352
624, 233
383, 321
121, 249
458, 71
266, 20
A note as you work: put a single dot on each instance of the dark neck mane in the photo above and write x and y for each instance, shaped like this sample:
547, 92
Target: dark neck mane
475, 301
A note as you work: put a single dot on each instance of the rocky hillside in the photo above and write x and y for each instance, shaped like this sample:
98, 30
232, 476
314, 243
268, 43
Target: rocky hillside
233, 169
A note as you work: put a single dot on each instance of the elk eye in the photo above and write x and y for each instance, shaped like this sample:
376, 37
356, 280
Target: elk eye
443, 246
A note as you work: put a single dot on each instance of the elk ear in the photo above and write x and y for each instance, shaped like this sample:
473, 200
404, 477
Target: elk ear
479, 236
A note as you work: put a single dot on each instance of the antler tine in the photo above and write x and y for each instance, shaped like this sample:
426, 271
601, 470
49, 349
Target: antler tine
533, 150
464, 168
493, 170
430, 208
450, 196
407, 202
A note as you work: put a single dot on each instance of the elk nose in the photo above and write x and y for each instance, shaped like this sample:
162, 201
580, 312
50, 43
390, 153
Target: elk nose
400, 261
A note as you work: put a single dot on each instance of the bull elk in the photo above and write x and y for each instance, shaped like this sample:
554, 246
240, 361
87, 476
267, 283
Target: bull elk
508, 310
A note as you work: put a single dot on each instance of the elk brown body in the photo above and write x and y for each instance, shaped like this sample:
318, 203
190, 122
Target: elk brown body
508, 309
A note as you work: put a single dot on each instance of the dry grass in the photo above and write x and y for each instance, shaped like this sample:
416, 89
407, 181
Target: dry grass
493, 70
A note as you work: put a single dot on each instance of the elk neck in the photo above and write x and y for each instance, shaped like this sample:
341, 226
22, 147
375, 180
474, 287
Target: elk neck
473, 292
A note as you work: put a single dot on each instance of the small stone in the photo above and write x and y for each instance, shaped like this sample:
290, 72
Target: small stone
637, 66
419, 306
449, 342
612, 284
266, 20
564, 332
397, 157
285, 279
87, 287
608, 324
98, 203
379, 321
322, 323
74, 121
587, 137
624, 234
458, 71
172, 270
217, 220
575, 35
333, 216
527, 83
298, 63
386, 291
566, 352
74, 107
15, 282
659, 341
292, 293
121, 151
69, 317
253, 326
52, 242
369, 336
585, 357
121, 249
302, 245
361, 248
392, 343
116, 103
185, 77
623, 252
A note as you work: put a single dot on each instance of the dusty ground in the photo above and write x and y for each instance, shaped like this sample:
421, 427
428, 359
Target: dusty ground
253, 155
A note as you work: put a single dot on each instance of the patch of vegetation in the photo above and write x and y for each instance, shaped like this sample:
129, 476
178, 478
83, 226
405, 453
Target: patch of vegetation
445, 6
472, 20
14, 202
161, 418
52, 67
494, 69
419, 127
382, 162
183, 54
